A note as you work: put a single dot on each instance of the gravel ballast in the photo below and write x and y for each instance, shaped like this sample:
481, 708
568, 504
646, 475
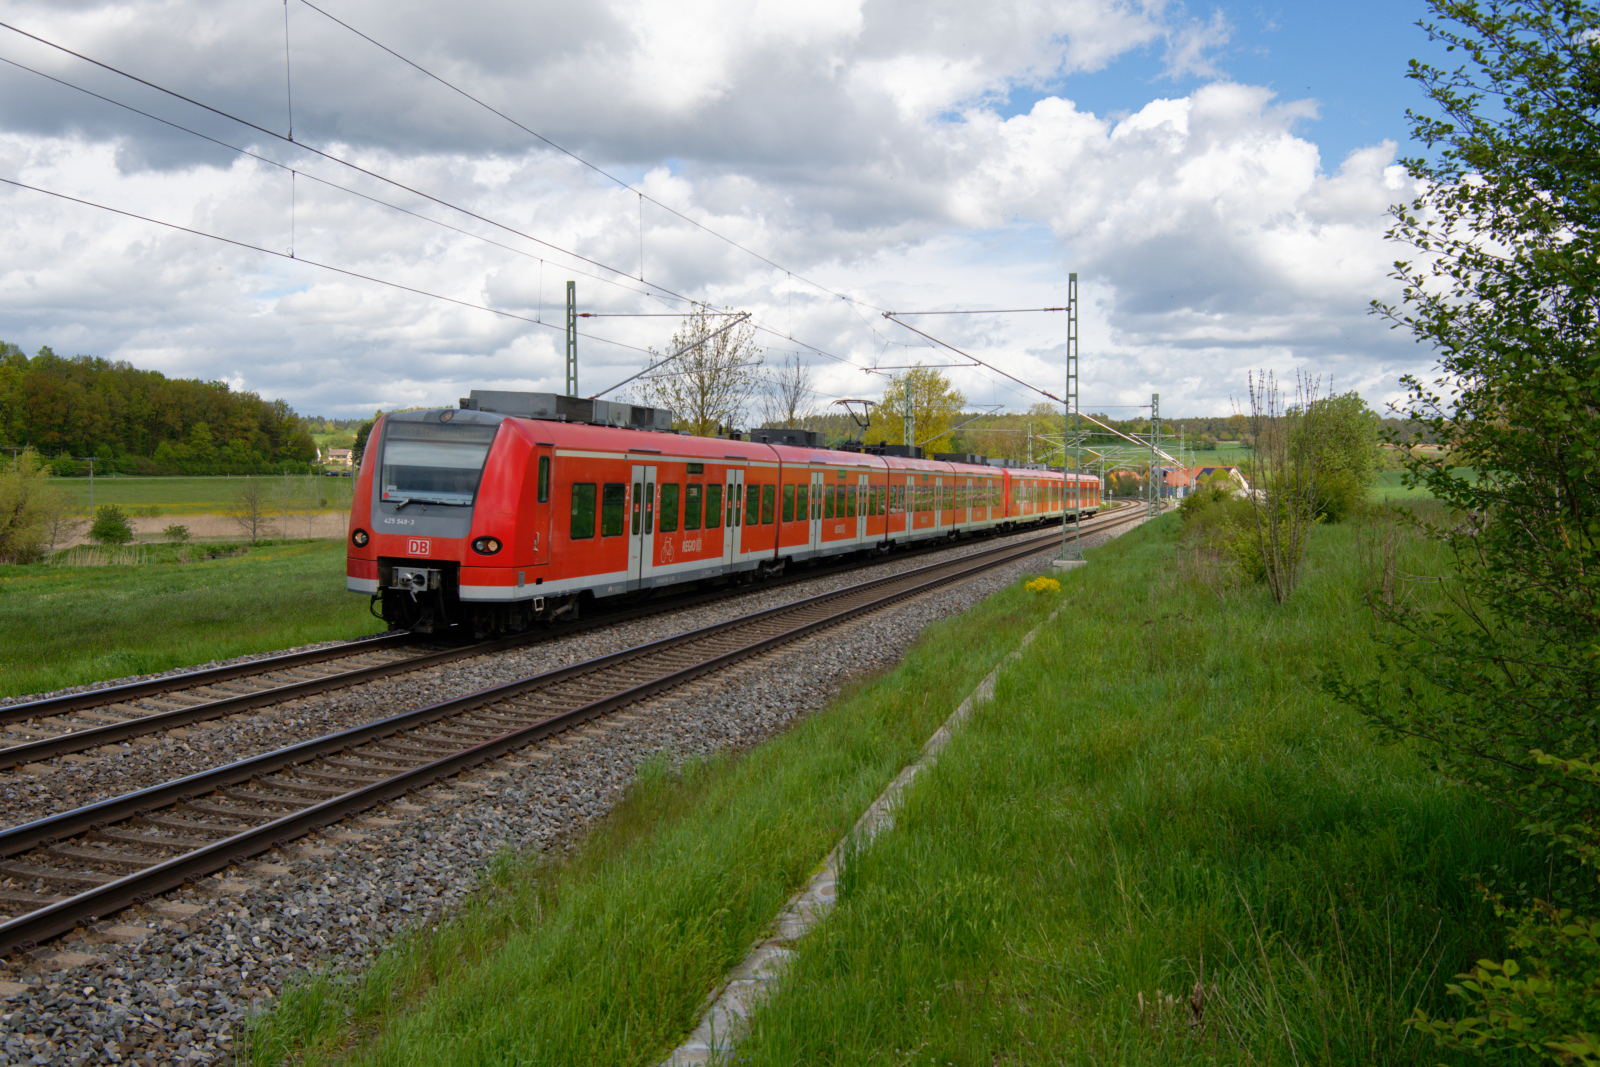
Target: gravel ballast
169, 981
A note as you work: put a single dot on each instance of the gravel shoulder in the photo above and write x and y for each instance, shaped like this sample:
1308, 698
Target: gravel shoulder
168, 982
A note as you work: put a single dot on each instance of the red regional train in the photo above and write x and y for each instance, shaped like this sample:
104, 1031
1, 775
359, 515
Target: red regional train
517, 507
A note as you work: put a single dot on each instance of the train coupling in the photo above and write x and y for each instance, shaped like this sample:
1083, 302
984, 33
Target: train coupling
416, 580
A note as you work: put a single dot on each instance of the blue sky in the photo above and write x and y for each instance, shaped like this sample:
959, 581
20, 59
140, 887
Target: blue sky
1350, 57
843, 139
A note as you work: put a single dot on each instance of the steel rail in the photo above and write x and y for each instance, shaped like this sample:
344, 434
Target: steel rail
79, 739
62, 915
89, 698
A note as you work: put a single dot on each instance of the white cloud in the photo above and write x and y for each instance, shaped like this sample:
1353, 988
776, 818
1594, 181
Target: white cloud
1208, 232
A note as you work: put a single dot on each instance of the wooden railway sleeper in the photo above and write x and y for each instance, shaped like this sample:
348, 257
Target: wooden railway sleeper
212, 807
132, 837
30, 901
373, 763
31, 873
310, 789
270, 800
347, 776
167, 822
106, 857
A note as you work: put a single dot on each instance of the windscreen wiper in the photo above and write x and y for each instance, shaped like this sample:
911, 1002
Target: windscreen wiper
398, 504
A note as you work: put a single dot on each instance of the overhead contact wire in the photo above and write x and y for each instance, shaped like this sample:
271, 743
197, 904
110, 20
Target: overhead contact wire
573, 155
375, 175
308, 262
342, 188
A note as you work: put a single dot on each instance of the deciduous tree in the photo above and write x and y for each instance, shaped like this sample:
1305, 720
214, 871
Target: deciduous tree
787, 399
1502, 282
935, 403
29, 507
711, 384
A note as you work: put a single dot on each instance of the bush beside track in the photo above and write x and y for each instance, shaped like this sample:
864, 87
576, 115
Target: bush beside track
1161, 782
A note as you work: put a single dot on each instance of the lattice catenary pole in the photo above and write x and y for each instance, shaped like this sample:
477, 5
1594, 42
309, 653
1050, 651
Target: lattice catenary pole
572, 338
1155, 453
1069, 423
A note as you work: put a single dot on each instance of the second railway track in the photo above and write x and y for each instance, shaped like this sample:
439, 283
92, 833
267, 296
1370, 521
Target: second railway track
34, 731
71, 869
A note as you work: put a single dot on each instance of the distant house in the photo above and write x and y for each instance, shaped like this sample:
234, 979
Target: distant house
336, 457
1181, 481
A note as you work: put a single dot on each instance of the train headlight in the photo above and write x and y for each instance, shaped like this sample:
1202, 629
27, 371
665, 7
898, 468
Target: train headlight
360, 538
486, 546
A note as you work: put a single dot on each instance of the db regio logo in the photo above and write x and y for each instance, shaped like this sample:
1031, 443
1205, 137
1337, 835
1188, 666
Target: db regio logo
417, 546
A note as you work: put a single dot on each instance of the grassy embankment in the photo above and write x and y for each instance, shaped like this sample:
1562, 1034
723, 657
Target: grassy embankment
1160, 799
197, 496
62, 625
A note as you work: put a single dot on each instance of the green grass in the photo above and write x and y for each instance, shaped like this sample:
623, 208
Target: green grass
1161, 844
190, 496
1388, 487
64, 625
605, 959
1161, 793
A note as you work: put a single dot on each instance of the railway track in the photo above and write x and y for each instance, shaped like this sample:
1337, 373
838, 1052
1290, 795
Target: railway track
77, 722
72, 869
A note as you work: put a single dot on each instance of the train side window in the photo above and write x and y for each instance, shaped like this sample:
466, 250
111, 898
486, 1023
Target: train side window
849, 499
613, 506
827, 502
788, 503
713, 506
544, 479
802, 501
769, 504
582, 510
691, 507
752, 505
668, 512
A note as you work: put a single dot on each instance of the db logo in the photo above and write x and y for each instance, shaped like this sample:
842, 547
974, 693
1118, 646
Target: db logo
417, 546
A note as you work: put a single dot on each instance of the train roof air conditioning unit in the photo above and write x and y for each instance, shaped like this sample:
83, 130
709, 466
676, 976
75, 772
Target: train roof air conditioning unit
554, 407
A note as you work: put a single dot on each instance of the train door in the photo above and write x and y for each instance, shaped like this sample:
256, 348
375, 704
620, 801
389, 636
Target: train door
816, 510
642, 524
541, 509
965, 515
860, 490
941, 504
732, 527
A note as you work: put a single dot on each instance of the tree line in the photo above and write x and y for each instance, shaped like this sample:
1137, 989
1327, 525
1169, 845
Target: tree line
140, 421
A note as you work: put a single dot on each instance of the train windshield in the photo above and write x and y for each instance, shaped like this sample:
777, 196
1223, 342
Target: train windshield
433, 463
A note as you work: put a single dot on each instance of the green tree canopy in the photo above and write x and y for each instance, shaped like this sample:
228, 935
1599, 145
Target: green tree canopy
935, 403
1502, 283
141, 419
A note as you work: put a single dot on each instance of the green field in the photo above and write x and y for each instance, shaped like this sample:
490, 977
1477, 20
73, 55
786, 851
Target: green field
1160, 844
193, 496
62, 626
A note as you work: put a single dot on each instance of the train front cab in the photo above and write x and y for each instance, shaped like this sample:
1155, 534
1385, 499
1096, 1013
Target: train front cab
430, 513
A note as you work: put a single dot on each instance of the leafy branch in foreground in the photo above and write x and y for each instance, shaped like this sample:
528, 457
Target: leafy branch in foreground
1504, 285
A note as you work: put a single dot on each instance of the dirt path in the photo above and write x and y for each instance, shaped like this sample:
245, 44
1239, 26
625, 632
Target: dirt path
213, 527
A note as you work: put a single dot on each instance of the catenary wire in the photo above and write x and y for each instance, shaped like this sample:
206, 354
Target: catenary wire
345, 188
310, 262
573, 155
378, 176
850, 301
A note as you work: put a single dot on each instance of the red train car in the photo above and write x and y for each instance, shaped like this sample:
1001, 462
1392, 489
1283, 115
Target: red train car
517, 507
